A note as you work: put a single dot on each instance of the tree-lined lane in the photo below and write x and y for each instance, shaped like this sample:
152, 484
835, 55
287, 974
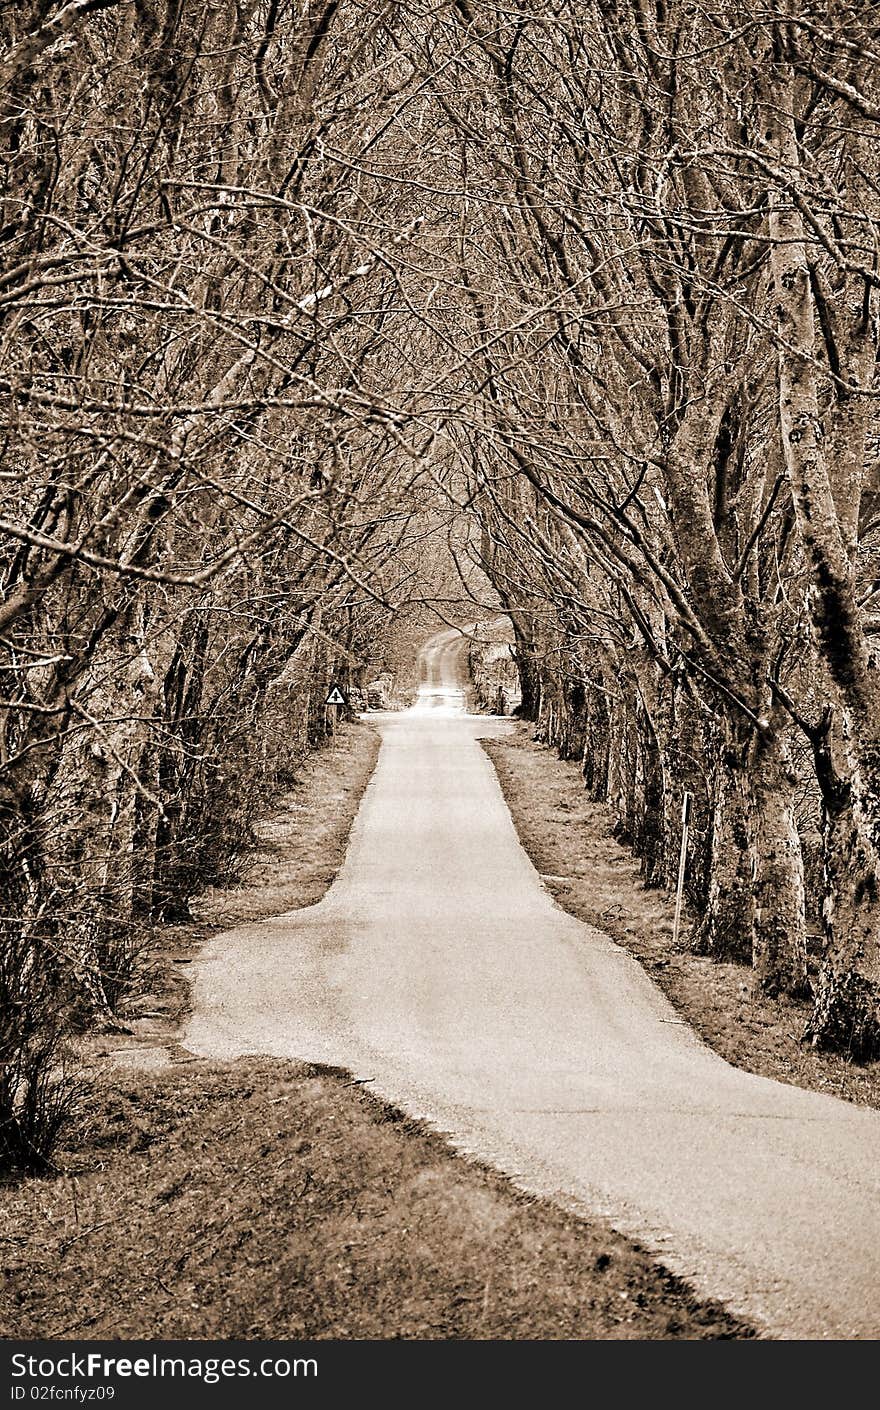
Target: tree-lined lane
439, 969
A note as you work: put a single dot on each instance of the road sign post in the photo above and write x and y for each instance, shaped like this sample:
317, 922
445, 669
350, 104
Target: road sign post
334, 703
682, 862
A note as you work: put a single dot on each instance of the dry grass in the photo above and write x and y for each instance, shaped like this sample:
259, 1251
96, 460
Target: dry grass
302, 844
593, 877
265, 1200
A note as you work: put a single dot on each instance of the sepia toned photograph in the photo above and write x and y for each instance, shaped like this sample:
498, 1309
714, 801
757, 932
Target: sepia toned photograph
439, 685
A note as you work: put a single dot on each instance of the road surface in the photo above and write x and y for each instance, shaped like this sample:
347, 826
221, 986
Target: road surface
439, 969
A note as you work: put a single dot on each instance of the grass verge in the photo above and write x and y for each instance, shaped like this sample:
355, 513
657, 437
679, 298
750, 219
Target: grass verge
596, 879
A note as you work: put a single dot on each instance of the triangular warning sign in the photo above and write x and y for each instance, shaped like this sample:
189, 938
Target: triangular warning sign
336, 697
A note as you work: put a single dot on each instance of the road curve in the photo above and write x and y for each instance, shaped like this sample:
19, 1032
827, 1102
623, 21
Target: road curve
443, 671
439, 969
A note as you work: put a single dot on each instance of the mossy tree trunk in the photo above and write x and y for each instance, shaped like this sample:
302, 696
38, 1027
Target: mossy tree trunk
780, 941
727, 928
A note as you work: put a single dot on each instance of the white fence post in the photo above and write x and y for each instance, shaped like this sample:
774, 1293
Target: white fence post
685, 829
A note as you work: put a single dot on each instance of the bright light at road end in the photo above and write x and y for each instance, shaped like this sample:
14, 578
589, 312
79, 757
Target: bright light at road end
440, 700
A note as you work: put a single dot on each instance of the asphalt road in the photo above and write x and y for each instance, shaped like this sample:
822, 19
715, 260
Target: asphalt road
439, 969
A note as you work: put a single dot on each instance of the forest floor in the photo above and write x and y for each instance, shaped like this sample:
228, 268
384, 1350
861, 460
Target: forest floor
266, 1199
593, 877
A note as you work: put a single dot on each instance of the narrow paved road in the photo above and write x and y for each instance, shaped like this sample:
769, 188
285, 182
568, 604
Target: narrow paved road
438, 968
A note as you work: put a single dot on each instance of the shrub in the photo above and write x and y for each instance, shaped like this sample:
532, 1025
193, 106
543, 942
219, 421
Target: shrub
37, 1096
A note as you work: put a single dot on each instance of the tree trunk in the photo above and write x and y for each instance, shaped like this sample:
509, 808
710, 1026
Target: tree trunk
727, 929
652, 837
846, 1016
780, 941
621, 768
594, 760
529, 675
